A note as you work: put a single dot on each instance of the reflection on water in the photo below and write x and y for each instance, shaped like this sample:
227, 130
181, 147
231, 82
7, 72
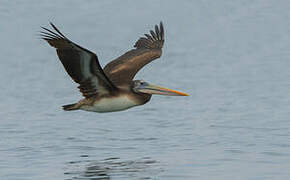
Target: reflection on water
107, 168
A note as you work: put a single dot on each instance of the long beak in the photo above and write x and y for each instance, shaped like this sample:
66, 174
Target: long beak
153, 89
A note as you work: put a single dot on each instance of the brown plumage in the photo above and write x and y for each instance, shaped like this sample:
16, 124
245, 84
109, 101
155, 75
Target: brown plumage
113, 88
81, 64
122, 70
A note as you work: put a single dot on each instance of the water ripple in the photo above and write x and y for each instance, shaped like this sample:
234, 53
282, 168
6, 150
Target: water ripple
110, 167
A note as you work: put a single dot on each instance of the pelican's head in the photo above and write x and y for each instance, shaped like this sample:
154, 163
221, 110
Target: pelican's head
140, 86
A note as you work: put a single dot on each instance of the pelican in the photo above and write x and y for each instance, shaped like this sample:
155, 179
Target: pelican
112, 88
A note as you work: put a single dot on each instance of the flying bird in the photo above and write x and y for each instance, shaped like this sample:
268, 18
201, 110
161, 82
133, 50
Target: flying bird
111, 88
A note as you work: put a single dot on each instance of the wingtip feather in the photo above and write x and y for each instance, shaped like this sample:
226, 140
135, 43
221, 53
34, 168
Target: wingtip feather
154, 40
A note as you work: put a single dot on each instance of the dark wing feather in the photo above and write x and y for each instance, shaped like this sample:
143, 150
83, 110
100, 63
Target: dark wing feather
81, 64
122, 70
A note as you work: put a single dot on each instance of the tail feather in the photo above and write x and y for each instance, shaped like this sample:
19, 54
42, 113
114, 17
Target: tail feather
70, 107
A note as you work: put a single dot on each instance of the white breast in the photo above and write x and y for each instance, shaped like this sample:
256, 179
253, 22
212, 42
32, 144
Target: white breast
110, 104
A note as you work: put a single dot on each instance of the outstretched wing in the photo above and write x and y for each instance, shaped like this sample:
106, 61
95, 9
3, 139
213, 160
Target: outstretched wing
122, 70
81, 64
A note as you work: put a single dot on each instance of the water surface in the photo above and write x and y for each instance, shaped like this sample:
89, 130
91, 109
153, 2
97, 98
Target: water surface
231, 56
